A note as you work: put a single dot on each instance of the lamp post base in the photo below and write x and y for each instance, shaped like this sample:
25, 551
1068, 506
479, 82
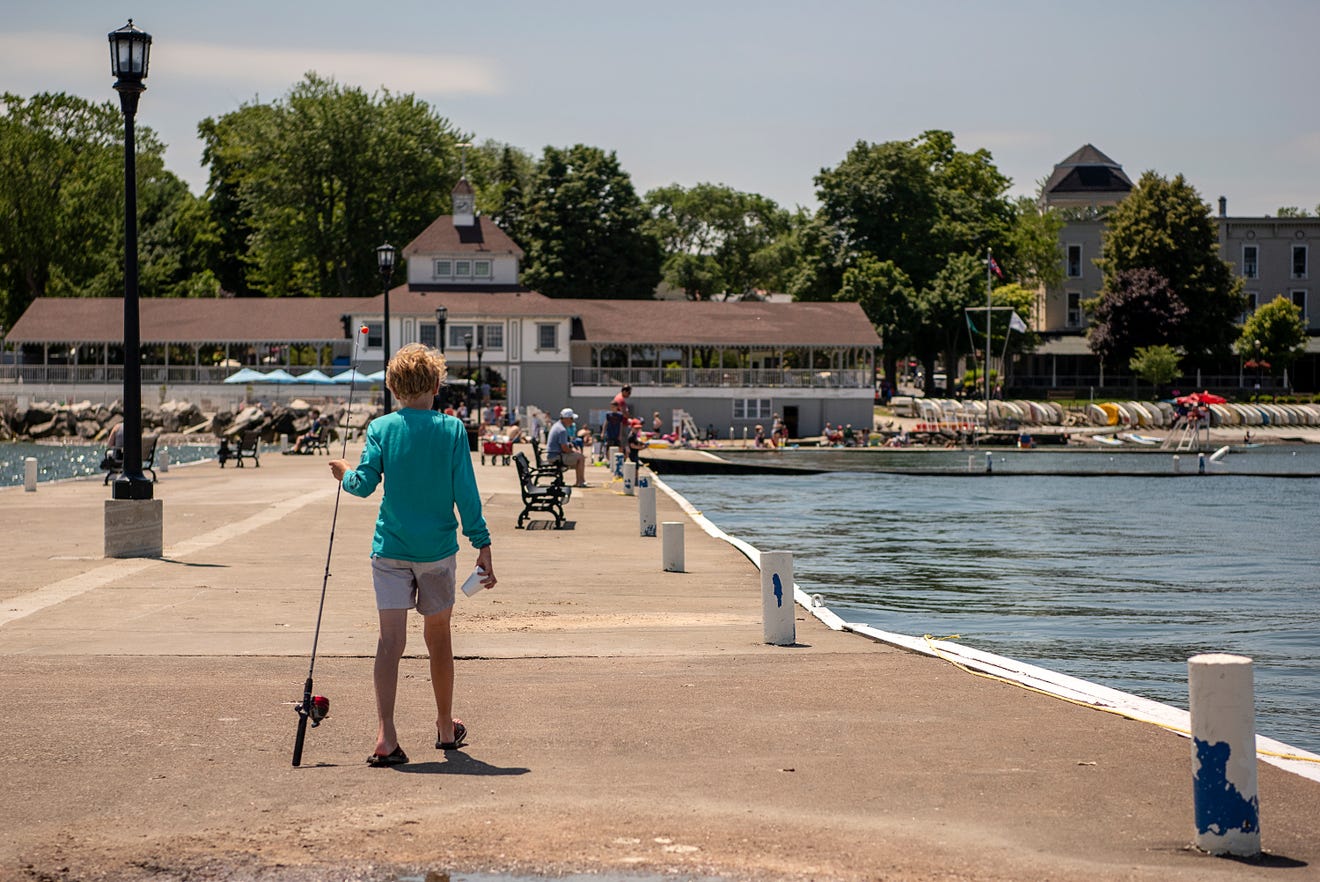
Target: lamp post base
131, 487
134, 527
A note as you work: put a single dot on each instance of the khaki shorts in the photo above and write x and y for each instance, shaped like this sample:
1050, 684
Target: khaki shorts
568, 458
407, 584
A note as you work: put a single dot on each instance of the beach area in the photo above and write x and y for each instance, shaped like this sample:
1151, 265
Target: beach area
626, 722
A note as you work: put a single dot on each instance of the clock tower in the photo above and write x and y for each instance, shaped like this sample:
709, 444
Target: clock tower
464, 204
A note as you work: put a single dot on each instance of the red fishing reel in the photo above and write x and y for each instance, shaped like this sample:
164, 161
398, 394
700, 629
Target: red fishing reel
316, 711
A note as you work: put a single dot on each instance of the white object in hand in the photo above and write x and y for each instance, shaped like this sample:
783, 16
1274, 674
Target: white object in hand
473, 583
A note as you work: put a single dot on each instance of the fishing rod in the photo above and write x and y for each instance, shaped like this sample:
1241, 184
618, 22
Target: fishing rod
316, 707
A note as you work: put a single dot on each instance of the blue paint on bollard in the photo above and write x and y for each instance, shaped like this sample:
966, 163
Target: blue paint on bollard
779, 590
1219, 806
649, 531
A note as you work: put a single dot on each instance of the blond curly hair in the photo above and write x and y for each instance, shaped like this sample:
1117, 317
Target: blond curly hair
415, 370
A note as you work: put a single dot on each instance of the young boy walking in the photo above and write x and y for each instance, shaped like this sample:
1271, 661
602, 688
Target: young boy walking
424, 457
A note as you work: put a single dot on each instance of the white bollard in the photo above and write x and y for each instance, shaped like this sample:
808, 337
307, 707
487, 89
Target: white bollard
30, 474
629, 478
645, 506
1224, 796
1200, 463
671, 538
164, 460
777, 605
1177, 463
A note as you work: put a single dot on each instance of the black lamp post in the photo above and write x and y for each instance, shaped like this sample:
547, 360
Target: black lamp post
130, 52
1258, 366
481, 396
385, 260
441, 314
467, 341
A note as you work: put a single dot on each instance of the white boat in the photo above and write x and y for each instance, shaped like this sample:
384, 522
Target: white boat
1143, 440
1107, 440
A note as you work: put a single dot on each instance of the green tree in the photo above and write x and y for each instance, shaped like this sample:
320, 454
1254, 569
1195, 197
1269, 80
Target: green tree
1274, 333
713, 236
61, 205
1156, 365
1033, 242
1163, 225
889, 301
931, 211
584, 229
313, 182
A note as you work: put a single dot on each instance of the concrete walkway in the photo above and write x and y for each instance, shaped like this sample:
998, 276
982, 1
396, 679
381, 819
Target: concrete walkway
623, 720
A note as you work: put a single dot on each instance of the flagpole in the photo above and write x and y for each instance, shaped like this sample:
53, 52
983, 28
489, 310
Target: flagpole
989, 258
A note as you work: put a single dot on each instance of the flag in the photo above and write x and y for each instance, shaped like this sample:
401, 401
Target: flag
1015, 323
994, 268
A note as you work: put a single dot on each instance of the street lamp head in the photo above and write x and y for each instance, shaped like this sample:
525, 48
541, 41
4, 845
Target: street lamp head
441, 313
385, 258
480, 350
130, 53
467, 340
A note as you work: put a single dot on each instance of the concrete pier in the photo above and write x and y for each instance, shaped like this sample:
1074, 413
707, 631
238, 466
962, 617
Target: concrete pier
623, 720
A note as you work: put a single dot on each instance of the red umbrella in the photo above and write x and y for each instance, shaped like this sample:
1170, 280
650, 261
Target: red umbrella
1197, 398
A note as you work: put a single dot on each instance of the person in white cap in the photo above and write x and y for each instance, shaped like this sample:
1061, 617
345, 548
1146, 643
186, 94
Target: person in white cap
559, 448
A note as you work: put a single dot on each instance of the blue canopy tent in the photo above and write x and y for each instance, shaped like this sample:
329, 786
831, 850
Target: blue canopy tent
315, 377
352, 375
246, 375
279, 375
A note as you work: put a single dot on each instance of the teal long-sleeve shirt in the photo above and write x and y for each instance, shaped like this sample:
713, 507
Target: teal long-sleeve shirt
425, 461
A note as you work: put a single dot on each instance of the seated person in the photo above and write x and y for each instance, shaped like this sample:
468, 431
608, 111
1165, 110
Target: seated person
114, 449
514, 432
313, 432
759, 440
561, 449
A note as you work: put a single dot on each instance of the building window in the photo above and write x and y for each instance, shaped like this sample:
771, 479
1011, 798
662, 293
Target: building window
481, 269
1299, 300
492, 336
456, 333
1074, 309
1250, 261
426, 334
462, 268
752, 409
547, 337
375, 335
1074, 261
444, 269
1299, 261
1253, 300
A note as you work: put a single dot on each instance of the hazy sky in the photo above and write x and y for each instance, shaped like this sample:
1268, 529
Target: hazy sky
756, 95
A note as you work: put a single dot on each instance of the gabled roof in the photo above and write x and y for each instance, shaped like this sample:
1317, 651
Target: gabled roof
723, 324
187, 320
482, 237
466, 303
1087, 170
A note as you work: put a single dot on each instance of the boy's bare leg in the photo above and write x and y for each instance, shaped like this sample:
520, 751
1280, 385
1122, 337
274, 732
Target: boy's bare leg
440, 644
389, 650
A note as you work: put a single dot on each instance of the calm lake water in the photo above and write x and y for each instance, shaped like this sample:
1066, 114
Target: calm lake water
1111, 578
60, 461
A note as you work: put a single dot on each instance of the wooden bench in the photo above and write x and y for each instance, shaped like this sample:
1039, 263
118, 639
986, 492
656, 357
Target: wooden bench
321, 442
538, 494
113, 463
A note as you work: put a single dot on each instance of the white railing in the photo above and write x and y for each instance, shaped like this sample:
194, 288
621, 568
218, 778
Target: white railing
709, 378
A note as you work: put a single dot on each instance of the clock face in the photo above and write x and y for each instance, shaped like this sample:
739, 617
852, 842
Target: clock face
462, 205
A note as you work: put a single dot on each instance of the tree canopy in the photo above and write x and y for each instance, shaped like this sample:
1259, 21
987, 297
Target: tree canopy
1136, 308
299, 186
715, 238
62, 205
584, 229
1275, 333
917, 216
1163, 225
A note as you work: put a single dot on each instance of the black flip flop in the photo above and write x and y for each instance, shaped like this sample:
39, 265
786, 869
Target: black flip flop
380, 760
460, 735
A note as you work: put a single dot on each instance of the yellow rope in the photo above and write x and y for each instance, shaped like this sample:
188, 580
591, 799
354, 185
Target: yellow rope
938, 653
